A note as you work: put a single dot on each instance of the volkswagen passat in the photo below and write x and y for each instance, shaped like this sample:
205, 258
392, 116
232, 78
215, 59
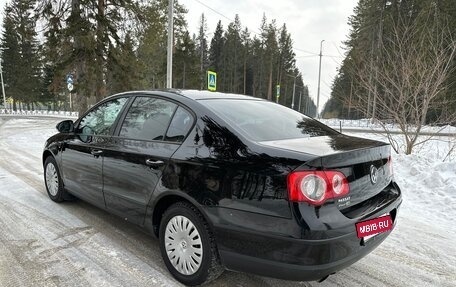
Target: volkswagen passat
228, 182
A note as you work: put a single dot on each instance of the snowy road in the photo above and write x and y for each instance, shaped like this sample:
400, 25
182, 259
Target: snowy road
75, 244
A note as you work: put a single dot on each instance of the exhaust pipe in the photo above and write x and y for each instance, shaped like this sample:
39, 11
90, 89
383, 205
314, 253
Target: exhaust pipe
324, 278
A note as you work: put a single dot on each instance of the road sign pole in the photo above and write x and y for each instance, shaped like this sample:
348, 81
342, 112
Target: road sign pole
1, 74
3, 85
169, 64
277, 93
294, 91
70, 89
319, 76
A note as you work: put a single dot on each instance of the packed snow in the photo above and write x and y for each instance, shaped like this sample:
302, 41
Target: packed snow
43, 243
368, 124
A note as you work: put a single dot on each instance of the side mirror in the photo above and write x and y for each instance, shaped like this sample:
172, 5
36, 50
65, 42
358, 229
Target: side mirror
66, 126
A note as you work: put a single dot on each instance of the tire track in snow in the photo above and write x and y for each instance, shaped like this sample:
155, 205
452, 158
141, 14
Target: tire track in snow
81, 245
41, 233
83, 255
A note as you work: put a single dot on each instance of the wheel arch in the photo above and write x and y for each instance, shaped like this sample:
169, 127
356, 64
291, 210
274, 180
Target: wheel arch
47, 153
165, 201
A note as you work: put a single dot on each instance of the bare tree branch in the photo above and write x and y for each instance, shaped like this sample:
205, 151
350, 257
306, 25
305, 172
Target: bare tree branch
410, 77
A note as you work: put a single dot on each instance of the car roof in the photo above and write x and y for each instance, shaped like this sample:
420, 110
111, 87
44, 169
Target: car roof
192, 94
203, 95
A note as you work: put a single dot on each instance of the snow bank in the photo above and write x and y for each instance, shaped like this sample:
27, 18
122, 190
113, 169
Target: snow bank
427, 179
428, 187
421, 250
367, 124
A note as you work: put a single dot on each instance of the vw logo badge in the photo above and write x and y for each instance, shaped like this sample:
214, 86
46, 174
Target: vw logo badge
373, 174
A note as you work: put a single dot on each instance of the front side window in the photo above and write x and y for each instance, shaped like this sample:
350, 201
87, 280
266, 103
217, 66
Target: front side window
100, 120
147, 119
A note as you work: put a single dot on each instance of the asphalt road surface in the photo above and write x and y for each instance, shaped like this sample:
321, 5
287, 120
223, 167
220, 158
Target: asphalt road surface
43, 243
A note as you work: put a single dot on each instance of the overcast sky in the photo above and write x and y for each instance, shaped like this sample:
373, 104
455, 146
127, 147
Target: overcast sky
308, 21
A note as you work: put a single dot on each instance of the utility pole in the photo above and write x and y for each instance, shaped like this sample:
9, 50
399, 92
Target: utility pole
319, 77
307, 106
294, 91
1, 74
300, 97
370, 78
169, 67
350, 100
202, 52
379, 43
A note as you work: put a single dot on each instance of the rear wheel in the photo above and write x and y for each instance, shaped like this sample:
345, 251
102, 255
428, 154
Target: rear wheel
187, 245
53, 181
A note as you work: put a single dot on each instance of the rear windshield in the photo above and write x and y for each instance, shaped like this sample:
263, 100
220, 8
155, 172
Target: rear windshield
266, 121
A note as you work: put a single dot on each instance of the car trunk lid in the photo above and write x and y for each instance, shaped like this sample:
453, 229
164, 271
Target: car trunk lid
365, 163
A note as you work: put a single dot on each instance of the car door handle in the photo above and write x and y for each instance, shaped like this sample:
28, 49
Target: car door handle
154, 163
96, 152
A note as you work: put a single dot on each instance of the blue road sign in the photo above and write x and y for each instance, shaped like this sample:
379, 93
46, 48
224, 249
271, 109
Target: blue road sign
69, 79
211, 81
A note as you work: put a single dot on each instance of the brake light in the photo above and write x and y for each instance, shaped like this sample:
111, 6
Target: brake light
316, 187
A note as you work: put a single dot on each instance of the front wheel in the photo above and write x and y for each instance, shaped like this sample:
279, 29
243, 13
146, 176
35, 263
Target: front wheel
53, 180
187, 245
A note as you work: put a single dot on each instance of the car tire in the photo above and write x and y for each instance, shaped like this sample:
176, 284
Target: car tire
185, 234
53, 181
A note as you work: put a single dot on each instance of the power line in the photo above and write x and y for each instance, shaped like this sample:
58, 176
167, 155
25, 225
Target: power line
337, 48
337, 63
252, 30
332, 56
304, 51
215, 11
306, 56
326, 84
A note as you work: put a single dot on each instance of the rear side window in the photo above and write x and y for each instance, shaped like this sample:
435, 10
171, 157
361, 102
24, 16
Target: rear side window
266, 121
180, 125
147, 119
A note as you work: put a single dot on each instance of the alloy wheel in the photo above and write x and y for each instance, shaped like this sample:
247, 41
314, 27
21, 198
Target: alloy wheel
52, 179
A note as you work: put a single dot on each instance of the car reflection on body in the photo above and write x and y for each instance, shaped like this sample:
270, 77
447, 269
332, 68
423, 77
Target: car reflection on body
228, 182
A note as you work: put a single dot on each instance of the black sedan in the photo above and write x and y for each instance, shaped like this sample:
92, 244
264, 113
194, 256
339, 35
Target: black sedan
228, 182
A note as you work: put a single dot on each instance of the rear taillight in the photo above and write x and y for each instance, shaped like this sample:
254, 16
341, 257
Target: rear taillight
315, 187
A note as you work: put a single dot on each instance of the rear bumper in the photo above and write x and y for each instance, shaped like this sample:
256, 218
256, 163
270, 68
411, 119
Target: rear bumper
282, 255
287, 271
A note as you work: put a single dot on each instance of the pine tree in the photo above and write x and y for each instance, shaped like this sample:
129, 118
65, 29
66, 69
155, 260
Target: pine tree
55, 50
22, 68
372, 25
202, 50
246, 62
11, 60
216, 60
186, 67
271, 49
152, 40
257, 66
91, 27
232, 57
122, 67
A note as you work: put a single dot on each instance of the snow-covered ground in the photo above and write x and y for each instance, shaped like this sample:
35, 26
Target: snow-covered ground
367, 124
74, 244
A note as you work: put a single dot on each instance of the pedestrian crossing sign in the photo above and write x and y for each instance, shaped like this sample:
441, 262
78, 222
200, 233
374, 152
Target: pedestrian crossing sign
211, 81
